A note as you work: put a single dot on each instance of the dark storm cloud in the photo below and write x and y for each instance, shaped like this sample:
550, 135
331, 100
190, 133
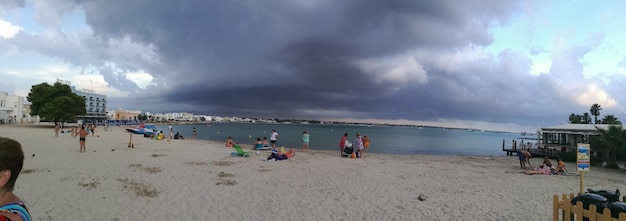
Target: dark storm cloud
365, 58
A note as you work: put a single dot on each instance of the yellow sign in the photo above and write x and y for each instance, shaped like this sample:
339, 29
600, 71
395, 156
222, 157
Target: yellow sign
583, 157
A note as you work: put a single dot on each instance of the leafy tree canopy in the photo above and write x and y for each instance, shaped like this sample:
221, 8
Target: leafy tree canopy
55, 102
613, 140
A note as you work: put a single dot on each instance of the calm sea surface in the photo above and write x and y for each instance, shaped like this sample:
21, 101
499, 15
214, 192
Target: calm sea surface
384, 139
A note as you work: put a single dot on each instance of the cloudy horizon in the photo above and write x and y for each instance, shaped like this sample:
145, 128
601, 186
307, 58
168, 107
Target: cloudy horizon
482, 63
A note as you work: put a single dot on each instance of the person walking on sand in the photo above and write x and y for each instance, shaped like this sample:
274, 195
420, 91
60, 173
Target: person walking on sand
273, 138
82, 134
171, 132
92, 128
11, 207
56, 129
305, 141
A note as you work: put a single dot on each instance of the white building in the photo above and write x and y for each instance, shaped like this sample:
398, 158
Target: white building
95, 104
11, 108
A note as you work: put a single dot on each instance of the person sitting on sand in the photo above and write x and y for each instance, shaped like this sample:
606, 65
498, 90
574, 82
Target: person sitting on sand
11, 207
178, 136
541, 169
265, 142
546, 161
258, 144
560, 167
283, 155
161, 136
229, 142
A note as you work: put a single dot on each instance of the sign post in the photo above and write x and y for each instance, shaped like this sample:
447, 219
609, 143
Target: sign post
582, 162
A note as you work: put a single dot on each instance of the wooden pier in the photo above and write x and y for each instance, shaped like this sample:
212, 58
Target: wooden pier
535, 151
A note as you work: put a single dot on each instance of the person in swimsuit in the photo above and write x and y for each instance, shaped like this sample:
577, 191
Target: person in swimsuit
305, 141
265, 143
366, 143
258, 144
82, 134
229, 142
195, 133
11, 207
56, 130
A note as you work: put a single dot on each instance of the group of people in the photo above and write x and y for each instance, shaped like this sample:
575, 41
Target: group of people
360, 145
546, 167
80, 131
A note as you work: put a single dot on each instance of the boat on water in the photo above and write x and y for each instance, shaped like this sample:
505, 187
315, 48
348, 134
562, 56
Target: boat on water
143, 129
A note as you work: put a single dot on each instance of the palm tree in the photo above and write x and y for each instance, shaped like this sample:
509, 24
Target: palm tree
595, 111
575, 119
610, 119
586, 118
613, 139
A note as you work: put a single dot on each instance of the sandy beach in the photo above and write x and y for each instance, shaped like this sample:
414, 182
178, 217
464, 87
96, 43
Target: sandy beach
199, 180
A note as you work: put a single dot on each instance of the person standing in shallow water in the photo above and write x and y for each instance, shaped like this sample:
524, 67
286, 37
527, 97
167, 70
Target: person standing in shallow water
11, 162
305, 140
195, 133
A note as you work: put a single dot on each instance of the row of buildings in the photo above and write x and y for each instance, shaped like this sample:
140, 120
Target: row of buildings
15, 109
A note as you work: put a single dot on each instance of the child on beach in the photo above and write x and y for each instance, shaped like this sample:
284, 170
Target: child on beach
305, 141
358, 146
366, 143
546, 161
560, 167
229, 142
12, 160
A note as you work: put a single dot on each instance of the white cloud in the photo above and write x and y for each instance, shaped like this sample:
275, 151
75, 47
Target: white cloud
8, 30
397, 72
141, 78
595, 95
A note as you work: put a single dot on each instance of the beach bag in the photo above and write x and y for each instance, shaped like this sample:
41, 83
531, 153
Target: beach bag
353, 155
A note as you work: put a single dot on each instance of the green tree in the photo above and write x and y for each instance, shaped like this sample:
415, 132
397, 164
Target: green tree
56, 102
595, 111
612, 140
575, 119
142, 117
586, 118
610, 119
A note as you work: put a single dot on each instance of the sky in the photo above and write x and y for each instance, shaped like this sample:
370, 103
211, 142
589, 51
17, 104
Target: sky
486, 64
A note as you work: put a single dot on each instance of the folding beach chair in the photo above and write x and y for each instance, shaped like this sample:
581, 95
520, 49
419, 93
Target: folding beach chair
240, 151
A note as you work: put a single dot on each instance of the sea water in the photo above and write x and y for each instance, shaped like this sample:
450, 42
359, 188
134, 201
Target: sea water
383, 139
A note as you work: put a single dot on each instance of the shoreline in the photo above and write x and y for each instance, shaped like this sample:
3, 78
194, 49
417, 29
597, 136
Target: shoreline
197, 179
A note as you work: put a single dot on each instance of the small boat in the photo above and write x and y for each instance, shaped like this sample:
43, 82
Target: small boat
142, 129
